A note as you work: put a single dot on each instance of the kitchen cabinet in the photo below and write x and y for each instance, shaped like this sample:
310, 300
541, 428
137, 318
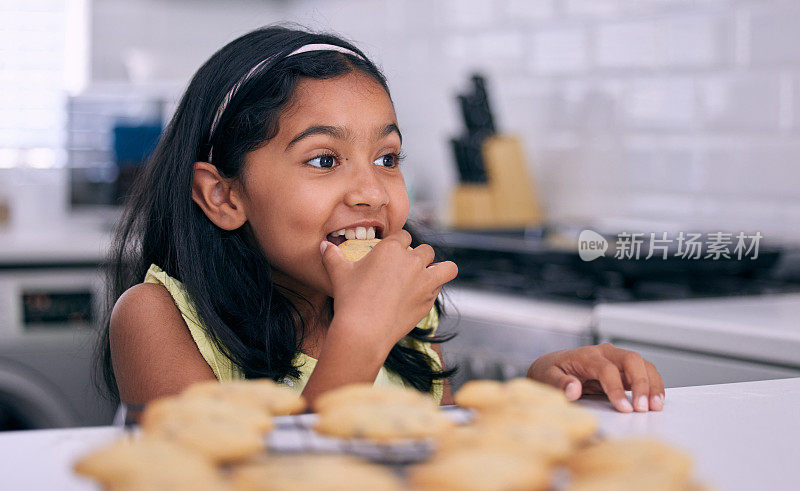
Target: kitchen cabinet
680, 368
716, 340
498, 336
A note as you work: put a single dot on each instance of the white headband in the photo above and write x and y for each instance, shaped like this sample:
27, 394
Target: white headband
260, 68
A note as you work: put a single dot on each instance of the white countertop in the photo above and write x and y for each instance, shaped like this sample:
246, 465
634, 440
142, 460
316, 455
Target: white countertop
742, 436
517, 310
85, 244
754, 327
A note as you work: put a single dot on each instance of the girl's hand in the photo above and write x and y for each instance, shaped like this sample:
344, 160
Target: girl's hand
603, 369
389, 290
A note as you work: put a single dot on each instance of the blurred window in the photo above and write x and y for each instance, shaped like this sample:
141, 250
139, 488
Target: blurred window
42, 59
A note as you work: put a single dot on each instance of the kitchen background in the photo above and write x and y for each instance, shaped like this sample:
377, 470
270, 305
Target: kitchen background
634, 116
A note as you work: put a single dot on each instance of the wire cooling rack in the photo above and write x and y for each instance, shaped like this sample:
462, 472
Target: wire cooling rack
295, 434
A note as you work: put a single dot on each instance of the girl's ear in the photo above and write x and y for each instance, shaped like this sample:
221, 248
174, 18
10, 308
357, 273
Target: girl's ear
217, 197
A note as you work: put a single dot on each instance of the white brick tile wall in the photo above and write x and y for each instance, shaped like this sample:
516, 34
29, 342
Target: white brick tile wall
594, 7
660, 103
658, 206
523, 107
693, 40
500, 45
626, 44
520, 11
497, 51
774, 35
600, 107
559, 51
662, 42
742, 102
766, 169
724, 166
652, 164
669, 111
468, 14
793, 94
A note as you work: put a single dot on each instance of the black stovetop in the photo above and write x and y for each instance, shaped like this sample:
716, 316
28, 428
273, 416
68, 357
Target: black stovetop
526, 265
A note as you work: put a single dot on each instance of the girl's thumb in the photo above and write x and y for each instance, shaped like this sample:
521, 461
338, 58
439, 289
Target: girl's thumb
332, 256
572, 387
570, 384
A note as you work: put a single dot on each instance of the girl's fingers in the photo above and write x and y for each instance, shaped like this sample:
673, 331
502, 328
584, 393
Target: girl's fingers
441, 273
611, 380
573, 390
642, 377
570, 384
592, 387
436, 293
332, 257
656, 387
426, 252
636, 373
401, 236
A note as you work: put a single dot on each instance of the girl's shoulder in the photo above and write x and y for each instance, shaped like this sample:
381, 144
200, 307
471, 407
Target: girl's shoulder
147, 335
143, 316
142, 302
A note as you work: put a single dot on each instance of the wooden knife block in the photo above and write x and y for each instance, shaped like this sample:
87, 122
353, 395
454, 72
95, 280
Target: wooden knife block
508, 199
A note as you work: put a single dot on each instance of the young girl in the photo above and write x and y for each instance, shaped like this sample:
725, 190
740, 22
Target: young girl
225, 265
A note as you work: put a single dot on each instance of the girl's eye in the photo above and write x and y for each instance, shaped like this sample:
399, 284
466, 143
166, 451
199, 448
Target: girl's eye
325, 161
389, 160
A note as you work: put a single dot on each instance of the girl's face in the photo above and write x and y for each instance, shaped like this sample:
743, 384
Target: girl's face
332, 166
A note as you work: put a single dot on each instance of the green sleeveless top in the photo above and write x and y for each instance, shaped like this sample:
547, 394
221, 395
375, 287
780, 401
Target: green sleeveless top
226, 371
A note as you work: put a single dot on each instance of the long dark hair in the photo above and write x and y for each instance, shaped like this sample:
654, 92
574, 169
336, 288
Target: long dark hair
243, 311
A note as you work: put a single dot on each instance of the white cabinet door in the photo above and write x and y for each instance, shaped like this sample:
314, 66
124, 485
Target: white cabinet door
496, 350
681, 368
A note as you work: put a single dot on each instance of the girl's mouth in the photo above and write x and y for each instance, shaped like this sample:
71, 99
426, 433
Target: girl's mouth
340, 236
335, 240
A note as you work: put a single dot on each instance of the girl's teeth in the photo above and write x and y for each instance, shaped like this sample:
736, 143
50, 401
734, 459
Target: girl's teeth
356, 233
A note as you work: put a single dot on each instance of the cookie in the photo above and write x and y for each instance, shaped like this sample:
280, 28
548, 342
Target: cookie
480, 469
149, 464
381, 413
317, 472
221, 430
274, 398
639, 479
368, 394
538, 441
630, 455
483, 394
355, 249
383, 422
577, 424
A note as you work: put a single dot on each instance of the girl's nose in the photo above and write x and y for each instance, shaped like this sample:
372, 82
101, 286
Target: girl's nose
366, 188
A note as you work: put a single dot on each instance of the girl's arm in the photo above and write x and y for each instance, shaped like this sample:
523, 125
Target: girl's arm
348, 356
152, 350
345, 359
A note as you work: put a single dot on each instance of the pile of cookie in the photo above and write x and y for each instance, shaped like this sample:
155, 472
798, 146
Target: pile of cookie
187, 441
523, 433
